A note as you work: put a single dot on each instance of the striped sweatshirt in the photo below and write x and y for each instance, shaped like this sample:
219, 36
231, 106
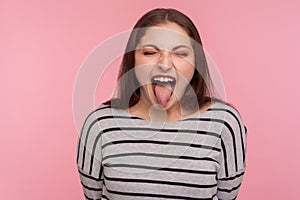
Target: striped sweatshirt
121, 156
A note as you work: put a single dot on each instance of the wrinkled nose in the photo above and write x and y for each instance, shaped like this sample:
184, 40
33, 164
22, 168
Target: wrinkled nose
165, 62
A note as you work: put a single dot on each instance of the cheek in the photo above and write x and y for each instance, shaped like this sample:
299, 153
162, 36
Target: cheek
142, 73
187, 72
140, 60
188, 68
143, 69
138, 69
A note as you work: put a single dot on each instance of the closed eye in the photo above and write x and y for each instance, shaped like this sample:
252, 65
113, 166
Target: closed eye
181, 54
149, 52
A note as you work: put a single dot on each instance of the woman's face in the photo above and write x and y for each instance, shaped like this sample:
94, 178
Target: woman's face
164, 64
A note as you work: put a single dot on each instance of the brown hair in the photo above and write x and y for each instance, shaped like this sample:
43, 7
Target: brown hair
200, 84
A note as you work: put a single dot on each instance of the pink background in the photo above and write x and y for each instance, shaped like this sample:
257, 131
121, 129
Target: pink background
255, 45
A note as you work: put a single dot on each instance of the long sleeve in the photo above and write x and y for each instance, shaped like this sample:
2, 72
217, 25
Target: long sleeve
89, 158
232, 157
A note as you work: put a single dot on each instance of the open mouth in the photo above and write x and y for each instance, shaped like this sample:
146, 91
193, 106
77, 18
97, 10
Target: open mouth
163, 87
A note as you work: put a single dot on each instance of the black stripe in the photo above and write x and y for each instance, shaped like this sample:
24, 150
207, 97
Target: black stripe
230, 130
229, 190
78, 150
225, 158
238, 121
229, 199
116, 117
105, 197
85, 142
90, 177
86, 139
161, 130
160, 156
104, 184
159, 182
162, 143
101, 171
161, 169
232, 178
93, 151
88, 198
155, 195
90, 188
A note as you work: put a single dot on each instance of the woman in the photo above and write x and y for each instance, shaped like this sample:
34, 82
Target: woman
164, 137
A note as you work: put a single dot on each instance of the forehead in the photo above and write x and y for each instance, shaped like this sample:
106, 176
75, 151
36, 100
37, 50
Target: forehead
165, 37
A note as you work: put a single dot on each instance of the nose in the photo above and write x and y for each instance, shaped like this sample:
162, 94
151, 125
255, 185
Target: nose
165, 62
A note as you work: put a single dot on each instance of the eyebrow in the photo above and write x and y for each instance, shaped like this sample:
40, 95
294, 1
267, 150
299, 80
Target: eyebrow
174, 48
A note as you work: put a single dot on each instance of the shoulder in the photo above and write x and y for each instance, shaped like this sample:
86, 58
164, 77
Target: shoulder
230, 117
234, 131
96, 115
103, 111
106, 116
100, 111
92, 127
227, 112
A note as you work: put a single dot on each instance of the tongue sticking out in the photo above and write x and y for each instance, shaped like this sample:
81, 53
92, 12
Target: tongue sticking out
163, 93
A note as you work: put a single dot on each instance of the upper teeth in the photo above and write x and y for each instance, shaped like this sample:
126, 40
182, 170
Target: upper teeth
163, 79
